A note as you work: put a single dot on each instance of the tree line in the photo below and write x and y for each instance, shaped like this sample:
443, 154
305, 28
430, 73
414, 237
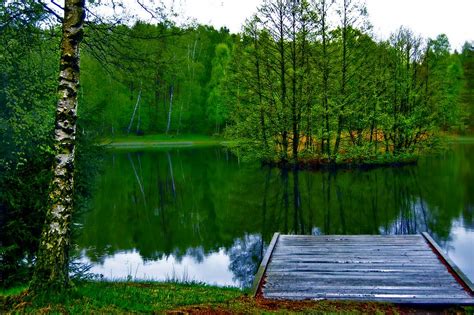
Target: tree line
151, 79
313, 86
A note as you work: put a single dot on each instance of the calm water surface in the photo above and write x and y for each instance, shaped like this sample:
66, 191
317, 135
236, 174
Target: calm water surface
200, 215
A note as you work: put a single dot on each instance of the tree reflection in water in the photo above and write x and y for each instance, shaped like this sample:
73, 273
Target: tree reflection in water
194, 203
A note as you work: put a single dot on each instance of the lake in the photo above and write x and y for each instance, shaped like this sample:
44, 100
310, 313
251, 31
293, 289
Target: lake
200, 214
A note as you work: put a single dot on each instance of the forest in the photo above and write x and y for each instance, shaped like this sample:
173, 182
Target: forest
304, 83
301, 81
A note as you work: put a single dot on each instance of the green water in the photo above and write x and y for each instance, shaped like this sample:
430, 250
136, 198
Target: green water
200, 215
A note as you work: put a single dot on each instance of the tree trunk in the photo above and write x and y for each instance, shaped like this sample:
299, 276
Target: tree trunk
259, 92
340, 118
134, 111
51, 269
170, 109
325, 139
281, 48
295, 122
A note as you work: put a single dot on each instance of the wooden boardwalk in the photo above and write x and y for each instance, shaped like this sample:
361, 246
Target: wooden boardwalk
405, 269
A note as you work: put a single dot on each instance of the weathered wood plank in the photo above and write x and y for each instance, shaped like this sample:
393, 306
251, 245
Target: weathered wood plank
341, 281
351, 239
360, 246
366, 295
297, 265
356, 291
263, 265
312, 253
357, 267
335, 236
366, 246
435, 300
292, 272
336, 249
282, 286
398, 278
355, 260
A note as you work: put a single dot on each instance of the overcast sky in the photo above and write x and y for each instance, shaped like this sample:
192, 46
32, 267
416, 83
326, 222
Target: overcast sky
428, 18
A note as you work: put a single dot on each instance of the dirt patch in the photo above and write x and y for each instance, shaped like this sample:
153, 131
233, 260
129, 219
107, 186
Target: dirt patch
248, 305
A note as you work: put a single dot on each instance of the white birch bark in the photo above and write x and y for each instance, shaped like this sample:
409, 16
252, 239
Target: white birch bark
51, 269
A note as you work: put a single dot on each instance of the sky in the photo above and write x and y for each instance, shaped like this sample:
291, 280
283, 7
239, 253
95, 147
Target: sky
427, 18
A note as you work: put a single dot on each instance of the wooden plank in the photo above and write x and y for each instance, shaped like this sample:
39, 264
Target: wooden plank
305, 270
361, 267
423, 288
263, 265
427, 292
350, 239
356, 258
366, 295
345, 281
380, 268
361, 246
350, 260
450, 264
411, 244
316, 253
365, 249
441, 300
366, 277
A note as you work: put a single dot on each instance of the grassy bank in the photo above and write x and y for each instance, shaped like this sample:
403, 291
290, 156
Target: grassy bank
120, 297
134, 141
460, 139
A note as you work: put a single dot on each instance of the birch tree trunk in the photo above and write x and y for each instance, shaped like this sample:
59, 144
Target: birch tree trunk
134, 111
51, 269
170, 109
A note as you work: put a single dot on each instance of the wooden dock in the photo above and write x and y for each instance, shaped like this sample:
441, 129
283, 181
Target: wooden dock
401, 269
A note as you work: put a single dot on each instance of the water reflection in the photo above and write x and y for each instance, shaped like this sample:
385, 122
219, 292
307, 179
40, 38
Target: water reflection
200, 215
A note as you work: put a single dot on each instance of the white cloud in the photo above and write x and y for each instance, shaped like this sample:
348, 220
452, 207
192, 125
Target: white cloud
428, 18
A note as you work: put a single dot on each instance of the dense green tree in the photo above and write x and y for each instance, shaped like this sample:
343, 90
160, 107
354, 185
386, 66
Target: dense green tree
467, 91
216, 102
444, 73
28, 71
309, 78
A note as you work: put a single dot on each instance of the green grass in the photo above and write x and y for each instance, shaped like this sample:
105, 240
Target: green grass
460, 139
161, 141
107, 297
12, 291
148, 297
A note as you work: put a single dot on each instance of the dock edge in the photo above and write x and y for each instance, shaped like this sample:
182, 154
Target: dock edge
263, 265
461, 277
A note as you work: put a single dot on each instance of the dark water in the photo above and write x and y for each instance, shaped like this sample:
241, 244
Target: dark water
200, 215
